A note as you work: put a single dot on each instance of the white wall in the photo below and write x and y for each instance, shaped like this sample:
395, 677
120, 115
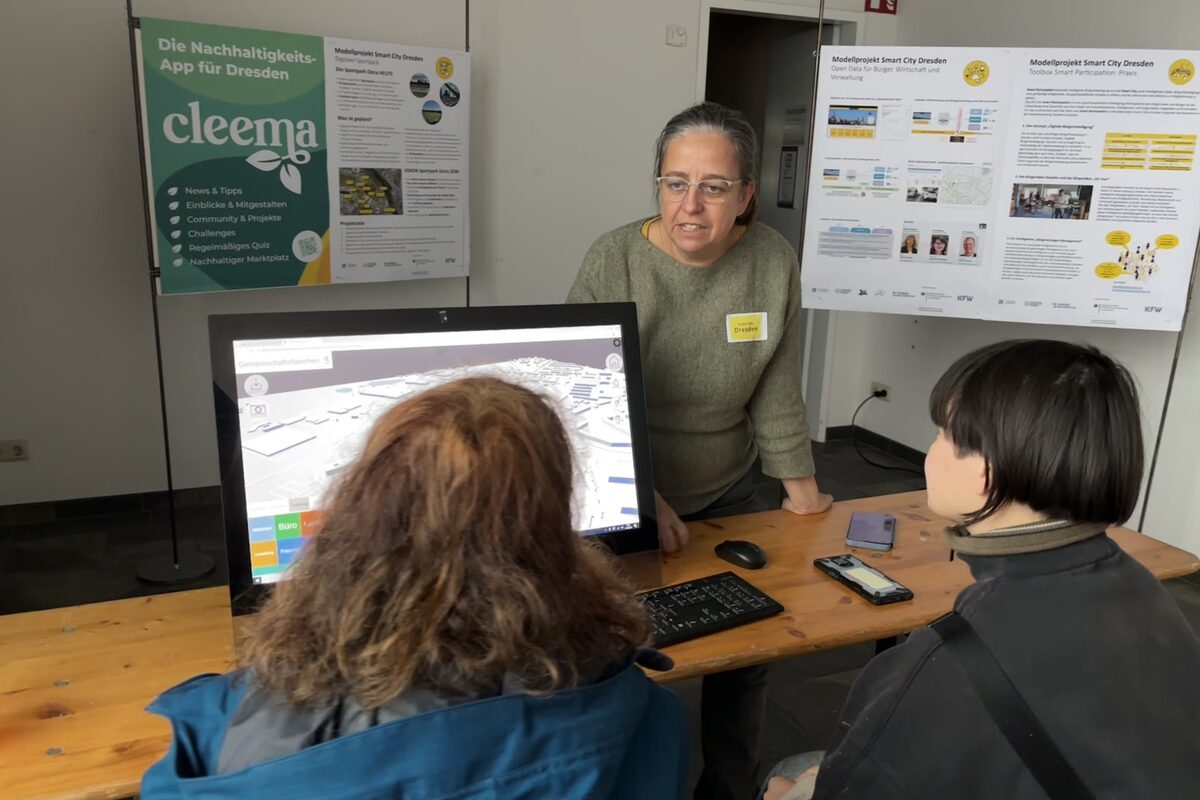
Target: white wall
77, 367
76, 358
1049, 23
1173, 505
568, 98
910, 353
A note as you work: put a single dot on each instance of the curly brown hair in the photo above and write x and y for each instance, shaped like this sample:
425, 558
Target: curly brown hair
446, 561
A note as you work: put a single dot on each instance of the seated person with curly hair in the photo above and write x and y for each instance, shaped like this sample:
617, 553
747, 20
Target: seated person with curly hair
445, 634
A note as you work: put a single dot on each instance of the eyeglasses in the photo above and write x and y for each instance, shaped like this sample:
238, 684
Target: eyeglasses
712, 190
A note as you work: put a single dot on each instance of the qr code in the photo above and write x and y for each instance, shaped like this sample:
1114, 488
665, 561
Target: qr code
307, 245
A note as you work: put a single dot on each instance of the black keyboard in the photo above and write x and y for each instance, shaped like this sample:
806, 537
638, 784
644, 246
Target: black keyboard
703, 606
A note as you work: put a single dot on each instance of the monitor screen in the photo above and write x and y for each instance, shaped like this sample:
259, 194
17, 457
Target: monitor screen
298, 393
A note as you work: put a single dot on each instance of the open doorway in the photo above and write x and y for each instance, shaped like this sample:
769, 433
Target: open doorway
764, 66
763, 63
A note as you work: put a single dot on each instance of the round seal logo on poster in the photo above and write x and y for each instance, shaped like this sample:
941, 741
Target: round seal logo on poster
976, 73
1181, 72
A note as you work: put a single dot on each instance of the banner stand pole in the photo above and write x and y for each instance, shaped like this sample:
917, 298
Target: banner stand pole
1162, 420
467, 48
178, 566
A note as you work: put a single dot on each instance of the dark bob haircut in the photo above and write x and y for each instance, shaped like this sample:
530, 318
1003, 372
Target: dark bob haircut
1058, 425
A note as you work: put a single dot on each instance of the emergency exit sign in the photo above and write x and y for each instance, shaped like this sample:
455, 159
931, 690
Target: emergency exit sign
882, 6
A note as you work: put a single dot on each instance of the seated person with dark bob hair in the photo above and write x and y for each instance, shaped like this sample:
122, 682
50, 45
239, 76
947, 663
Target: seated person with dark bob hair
1066, 671
445, 634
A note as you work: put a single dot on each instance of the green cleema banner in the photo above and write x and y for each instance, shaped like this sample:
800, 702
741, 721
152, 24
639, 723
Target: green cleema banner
276, 159
235, 130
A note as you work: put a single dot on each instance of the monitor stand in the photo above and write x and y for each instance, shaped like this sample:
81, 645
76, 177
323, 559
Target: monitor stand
643, 570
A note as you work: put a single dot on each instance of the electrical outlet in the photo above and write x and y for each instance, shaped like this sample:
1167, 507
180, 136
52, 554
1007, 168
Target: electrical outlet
876, 386
14, 450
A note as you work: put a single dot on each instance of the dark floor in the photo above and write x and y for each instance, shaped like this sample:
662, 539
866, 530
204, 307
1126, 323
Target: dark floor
90, 559
46, 564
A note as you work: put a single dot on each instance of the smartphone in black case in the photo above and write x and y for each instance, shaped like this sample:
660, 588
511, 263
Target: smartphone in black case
869, 582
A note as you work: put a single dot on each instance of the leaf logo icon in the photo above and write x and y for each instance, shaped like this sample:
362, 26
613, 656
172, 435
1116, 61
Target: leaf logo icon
289, 176
264, 160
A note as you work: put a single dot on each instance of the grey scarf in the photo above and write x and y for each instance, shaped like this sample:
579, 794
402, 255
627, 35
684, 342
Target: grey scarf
1034, 537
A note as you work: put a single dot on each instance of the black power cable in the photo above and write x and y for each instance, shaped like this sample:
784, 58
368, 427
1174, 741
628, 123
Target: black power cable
854, 439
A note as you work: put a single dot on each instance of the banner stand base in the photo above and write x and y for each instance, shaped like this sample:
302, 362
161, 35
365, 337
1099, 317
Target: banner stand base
166, 570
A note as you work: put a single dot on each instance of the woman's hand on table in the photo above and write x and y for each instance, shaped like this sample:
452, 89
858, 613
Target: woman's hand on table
672, 532
804, 497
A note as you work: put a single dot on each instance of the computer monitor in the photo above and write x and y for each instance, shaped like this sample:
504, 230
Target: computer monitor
296, 394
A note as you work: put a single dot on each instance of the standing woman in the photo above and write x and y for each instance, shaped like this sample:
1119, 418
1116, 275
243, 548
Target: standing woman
718, 304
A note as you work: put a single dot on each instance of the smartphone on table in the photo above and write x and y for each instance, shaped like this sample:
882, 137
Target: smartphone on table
868, 582
871, 530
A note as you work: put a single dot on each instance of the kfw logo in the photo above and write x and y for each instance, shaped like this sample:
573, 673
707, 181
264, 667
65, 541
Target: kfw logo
966, 298
1153, 309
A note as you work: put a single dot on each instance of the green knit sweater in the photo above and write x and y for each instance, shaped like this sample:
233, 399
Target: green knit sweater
712, 405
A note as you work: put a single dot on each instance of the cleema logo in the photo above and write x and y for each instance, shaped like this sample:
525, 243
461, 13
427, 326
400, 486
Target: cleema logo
294, 138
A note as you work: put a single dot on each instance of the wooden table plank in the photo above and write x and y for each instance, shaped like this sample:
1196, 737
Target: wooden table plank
75, 681
91, 738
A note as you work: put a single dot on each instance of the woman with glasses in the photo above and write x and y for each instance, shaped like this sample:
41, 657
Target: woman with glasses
718, 299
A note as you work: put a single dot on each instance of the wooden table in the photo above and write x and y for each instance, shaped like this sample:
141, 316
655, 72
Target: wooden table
821, 614
74, 681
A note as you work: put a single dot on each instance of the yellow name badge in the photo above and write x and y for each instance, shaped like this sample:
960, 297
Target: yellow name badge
746, 327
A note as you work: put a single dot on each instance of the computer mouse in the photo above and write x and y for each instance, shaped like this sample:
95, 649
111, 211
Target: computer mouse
741, 553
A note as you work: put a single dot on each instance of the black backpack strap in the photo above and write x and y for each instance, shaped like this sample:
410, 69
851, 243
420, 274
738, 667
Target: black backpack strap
1009, 711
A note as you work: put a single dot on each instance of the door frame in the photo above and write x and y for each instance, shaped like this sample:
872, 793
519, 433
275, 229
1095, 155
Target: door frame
820, 326
767, 8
